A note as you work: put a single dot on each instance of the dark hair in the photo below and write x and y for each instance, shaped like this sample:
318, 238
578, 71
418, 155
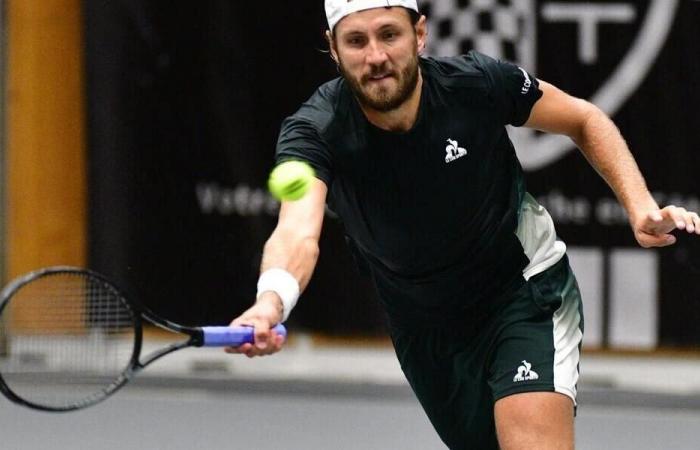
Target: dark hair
415, 16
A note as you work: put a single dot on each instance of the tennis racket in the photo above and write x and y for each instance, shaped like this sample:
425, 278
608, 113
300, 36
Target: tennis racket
72, 339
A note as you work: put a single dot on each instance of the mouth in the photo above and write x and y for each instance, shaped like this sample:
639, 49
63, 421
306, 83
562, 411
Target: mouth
378, 77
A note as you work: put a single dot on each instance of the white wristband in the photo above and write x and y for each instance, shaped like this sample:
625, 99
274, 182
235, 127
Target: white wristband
284, 284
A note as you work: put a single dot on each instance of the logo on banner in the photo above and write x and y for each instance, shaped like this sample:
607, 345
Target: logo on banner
508, 29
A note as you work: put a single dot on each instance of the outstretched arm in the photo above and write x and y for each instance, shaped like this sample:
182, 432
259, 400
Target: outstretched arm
293, 247
604, 147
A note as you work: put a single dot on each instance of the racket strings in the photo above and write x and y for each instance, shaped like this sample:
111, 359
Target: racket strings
69, 337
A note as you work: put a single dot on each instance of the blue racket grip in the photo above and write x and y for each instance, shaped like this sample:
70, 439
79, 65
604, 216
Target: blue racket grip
234, 336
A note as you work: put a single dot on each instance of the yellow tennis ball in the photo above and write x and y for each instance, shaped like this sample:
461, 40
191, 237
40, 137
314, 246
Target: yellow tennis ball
290, 180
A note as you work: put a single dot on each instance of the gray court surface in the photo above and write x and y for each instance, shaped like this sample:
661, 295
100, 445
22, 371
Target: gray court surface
273, 416
342, 398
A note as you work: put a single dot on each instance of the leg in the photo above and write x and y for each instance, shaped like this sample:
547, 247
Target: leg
535, 421
535, 366
446, 372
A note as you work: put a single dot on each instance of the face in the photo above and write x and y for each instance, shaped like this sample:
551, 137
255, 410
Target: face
377, 53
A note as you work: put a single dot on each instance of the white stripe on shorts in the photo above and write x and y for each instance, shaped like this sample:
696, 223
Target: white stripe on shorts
567, 338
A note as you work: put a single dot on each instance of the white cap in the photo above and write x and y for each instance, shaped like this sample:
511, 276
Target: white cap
337, 9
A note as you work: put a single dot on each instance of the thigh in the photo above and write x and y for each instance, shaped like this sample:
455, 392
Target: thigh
535, 420
534, 368
449, 377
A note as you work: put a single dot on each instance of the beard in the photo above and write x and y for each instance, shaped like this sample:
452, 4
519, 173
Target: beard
381, 98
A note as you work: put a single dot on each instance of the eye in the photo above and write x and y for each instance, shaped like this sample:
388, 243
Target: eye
355, 41
390, 35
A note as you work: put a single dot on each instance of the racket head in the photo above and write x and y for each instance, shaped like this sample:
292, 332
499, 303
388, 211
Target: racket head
73, 339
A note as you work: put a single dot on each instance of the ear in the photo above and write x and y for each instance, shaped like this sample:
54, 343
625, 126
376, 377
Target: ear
331, 46
421, 33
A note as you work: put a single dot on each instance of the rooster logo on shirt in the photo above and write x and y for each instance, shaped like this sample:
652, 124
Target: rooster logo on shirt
454, 151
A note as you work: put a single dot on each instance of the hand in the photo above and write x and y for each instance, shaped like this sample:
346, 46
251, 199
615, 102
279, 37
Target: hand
653, 228
263, 315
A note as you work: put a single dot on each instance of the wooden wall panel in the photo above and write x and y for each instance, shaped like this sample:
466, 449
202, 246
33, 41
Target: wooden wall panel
45, 153
46, 179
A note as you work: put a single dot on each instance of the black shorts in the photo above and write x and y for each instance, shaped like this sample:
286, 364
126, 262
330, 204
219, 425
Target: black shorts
530, 343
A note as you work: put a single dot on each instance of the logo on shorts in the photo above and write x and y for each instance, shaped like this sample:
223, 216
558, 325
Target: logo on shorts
519, 31
525, 374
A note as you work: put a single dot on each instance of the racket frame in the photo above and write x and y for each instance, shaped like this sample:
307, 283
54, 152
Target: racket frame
135, 365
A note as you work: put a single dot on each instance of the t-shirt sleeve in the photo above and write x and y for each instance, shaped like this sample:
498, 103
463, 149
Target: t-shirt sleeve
300, 139
516, 91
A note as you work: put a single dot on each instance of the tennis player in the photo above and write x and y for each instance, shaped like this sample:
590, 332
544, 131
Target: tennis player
412, 153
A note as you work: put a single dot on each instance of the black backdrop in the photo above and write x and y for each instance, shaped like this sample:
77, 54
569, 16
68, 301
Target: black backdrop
185, 101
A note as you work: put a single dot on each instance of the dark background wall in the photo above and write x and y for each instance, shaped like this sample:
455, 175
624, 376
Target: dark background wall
184, 104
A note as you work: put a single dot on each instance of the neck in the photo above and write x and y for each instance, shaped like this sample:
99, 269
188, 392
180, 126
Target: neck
400, 119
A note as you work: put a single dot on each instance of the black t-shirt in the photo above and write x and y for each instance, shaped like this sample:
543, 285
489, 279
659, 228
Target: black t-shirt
431, 211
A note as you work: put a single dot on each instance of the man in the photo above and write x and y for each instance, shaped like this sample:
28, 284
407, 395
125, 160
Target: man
413, 156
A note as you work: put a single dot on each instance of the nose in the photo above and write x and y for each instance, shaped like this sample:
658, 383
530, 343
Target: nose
376, 55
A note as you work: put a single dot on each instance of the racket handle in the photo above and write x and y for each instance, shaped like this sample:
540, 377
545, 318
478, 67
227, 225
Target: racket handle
233, 336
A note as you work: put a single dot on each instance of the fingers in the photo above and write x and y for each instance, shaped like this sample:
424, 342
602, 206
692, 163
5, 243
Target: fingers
655, 229
265, 344
272, 345
692, 223
679, 216
266, 340
262, 316
653, 240
682, 219
656, 222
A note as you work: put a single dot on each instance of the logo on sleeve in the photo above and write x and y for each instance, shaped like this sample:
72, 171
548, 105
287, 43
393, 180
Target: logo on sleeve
454, 151
527, 84
525, 374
